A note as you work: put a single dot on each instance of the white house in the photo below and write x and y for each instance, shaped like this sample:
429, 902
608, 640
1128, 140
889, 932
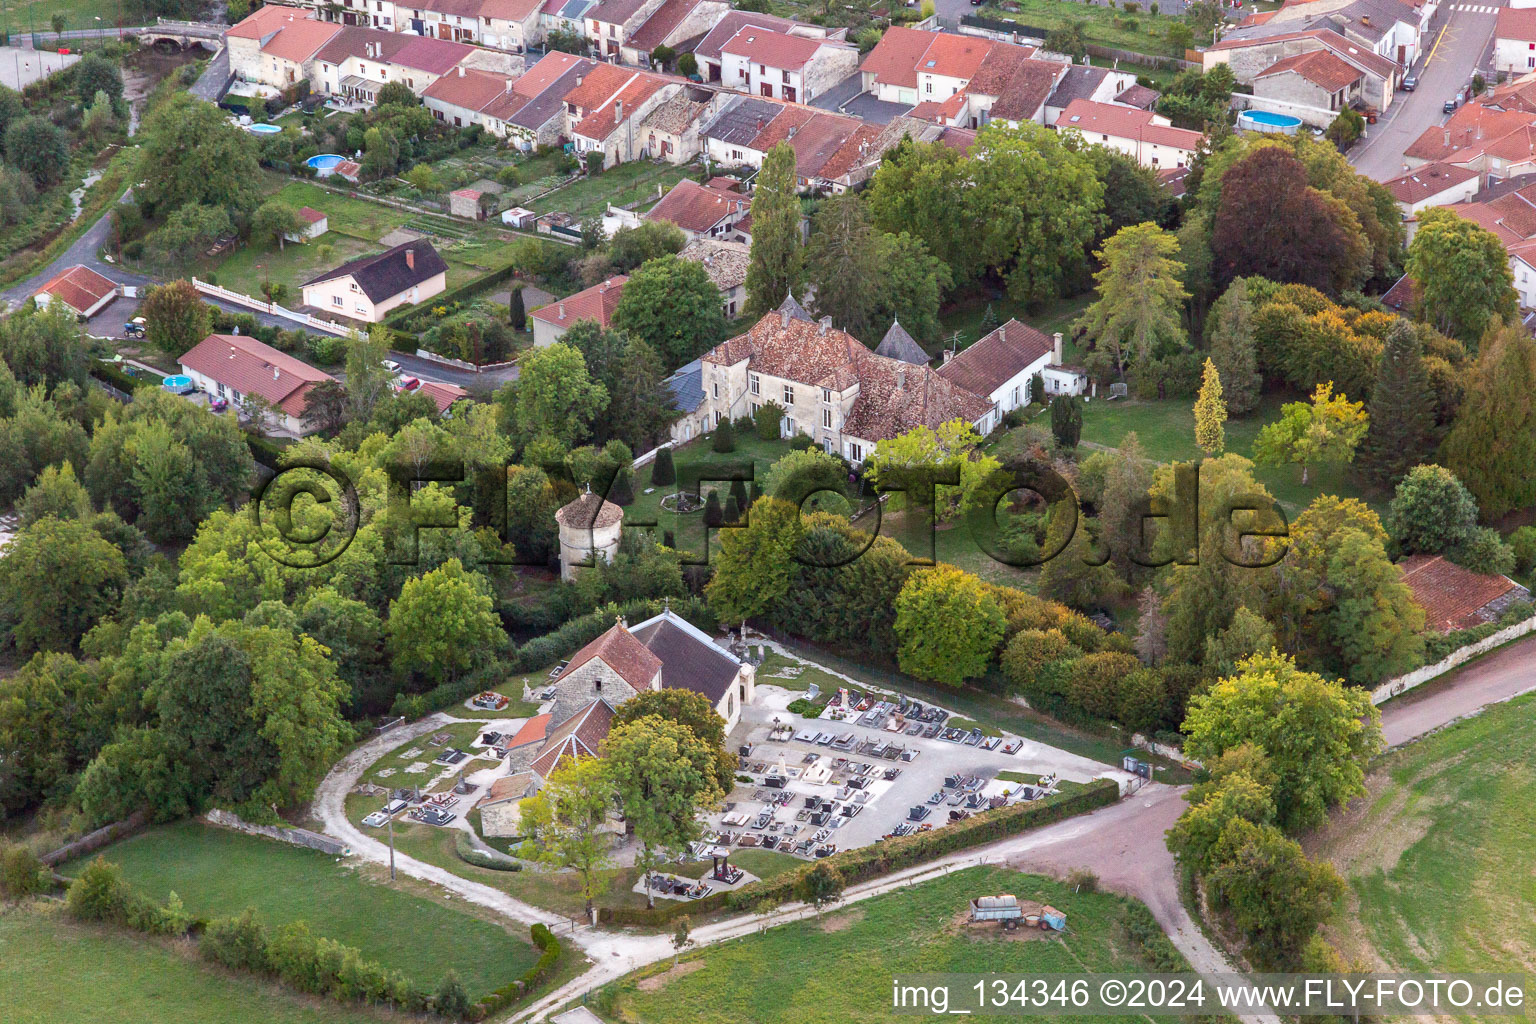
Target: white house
596, 303
1514, 40
369, 287
235, 367
1003, 364
1148, 138
778, 65
315, 224
1436, 184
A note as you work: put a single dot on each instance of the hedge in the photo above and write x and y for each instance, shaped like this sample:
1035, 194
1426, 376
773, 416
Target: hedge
505, 996
1438, 646
479, 858
113, 374
264, 451
884, 857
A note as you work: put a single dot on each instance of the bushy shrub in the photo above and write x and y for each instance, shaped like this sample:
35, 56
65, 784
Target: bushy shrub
21, 873
99, 894
1523, 543
237, 942
724, 440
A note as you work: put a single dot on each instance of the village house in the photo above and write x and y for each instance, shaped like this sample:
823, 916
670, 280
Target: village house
1457, 598
1282, 83
687, 386
512, 25
368, 287
1514, 40
726, 264
1149, 139
610, 23
707, 51
671, 25
596, 303
357, 62
778, 65
701, 211
458, 99
833, 152
670, 131
603, 112
235, 366
1390, 29
79, 289
1495, 134
275, 46
1438, 184
830, 385
1099, 85
1002, 365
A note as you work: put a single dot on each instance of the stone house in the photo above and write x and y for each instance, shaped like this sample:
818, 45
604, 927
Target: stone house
778, 65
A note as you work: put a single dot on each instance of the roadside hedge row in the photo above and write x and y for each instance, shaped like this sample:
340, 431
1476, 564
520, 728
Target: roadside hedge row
1438, 646
881, 858
508, 994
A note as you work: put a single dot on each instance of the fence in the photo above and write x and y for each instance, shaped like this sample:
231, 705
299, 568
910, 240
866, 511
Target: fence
433, 357
241, 299
1419, 676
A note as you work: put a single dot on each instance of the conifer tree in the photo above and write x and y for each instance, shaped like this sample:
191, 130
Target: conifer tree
1210, 413
1232, 349
1402, 422
663, 472
1492, 445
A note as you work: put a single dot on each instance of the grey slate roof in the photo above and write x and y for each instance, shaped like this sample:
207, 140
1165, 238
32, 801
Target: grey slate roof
794, 309
386, 274
742, 121
686, 662
898, 344
1077, 84
687, 386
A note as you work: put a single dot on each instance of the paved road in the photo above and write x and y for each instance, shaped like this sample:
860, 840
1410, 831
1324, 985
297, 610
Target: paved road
215, 77
1457, 45
1491, 679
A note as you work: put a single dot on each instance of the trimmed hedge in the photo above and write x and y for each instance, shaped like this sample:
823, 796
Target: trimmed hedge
882, 858
111, 373
264, 451
505, 996
479, 858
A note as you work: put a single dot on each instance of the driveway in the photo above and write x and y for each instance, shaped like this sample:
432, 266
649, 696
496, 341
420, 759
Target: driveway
1492, 679
84, 250
1457, 45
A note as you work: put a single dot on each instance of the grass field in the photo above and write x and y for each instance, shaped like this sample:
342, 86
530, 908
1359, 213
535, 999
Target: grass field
219, 873
354, 228
36, 15
636, 181
1438, 857
53, 970
699, 457
1166, 431
840, 967
1149, 36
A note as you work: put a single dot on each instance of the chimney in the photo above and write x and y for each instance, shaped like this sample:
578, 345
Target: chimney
578, 79
1447, 138
783, 323
509, 84
562, 311
826, 322
1056, 348
948, 355
276, 373
461, 70
1365, 19
410, 259
901, 378
618, 112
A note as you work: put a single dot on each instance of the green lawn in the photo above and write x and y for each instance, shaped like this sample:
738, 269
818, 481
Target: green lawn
1166, 431
219, 873
698, 457
1439, 863
626, 183
36, 15
53, 970
1149, 35
841, 966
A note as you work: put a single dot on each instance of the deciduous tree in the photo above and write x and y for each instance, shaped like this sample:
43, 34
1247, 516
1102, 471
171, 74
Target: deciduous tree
1327, 429
948, 625
1432, 511
672, 305
176, 317
1461, 275
562, 823
274, 220
552, 397
444, 622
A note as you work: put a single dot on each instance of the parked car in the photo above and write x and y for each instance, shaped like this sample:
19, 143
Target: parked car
1450, 106
391, 366
1410, 83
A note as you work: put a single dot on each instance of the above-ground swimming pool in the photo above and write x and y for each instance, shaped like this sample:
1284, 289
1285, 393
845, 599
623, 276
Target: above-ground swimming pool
325, 163
263, 129
179, 384
1268, 121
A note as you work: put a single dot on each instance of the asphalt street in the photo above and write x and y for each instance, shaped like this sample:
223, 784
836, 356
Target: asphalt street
1457, 44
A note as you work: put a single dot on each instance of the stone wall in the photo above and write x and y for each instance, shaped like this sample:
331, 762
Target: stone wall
1403, 683
295, 836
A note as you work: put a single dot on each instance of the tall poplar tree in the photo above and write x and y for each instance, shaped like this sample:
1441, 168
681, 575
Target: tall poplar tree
778, 264
1492, 445
1232, 349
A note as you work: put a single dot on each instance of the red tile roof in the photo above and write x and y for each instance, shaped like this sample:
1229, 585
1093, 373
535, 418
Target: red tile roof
579, 736
993, 360
589, 512
473, 90
598, 85
773, 49
605, 119
595, 303
728, 26
894, 59
532, 731
443, 395
1320, 67
543, 74
1485, 216
1125, 123
660, 24
310, 214
1516, 24
697, 208
79, 287
953, 56
267, 19
1469, 133
245, 364
1453, 597
1430, 180
1026, 90
615, 12
299, 40
434, 56
619, 649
